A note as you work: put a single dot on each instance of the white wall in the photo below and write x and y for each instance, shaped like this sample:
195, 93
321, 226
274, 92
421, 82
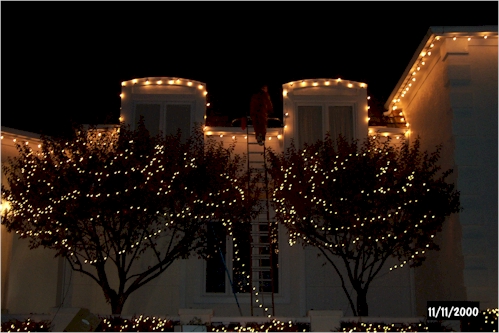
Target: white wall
455, 104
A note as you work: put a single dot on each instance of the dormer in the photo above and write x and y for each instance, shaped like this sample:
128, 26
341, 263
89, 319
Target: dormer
167, 104
315, 107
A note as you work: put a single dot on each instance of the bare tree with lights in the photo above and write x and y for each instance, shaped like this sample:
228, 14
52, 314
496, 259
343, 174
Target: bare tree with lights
106, 200
362, 203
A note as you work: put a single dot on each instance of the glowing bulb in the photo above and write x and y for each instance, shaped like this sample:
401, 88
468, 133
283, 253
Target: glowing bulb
4, 207
189, 83
159, 82
123, 83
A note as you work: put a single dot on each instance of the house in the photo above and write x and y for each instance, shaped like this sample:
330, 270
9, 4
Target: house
448, 94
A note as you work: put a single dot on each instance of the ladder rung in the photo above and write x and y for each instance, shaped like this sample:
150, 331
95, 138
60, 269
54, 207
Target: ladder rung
261, 256
264, 293
261, 268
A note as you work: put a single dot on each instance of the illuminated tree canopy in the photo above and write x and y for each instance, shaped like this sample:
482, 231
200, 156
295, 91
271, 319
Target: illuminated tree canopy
105, 198
362, 203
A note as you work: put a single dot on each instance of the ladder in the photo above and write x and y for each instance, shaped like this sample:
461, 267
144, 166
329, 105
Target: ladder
261, 262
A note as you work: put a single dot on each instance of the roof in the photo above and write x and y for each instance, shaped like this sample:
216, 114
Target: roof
434, 34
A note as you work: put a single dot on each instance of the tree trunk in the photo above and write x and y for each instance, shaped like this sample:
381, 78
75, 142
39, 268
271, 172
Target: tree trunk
362, 308
117, 304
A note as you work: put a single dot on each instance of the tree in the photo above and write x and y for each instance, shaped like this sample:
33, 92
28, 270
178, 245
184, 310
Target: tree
106, 198
364, 203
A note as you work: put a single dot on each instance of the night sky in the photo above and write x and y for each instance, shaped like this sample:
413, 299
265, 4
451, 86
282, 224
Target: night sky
65, 61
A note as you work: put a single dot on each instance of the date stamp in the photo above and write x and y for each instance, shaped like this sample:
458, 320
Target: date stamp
452, 310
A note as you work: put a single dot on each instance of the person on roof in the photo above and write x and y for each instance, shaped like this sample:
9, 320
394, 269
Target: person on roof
260, 108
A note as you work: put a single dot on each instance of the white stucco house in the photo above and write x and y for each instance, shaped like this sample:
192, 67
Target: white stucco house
447, 95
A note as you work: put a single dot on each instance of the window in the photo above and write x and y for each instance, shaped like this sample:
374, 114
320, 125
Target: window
341, 121
151, 114
228, 266
309, 124
164, 117
178, 116
313, 123
216, 261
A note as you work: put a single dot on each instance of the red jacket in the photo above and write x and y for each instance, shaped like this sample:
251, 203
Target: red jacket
261, 104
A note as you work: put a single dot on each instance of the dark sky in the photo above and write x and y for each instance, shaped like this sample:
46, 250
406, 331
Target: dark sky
64, 61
